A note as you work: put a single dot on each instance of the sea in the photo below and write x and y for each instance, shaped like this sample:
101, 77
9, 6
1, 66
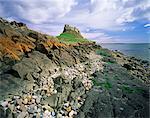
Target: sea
138, 50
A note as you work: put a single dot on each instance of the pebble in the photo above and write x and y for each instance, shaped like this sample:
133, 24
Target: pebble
50, 109
59, 115
34, 97
16, 97
38, 115
46, 114
38, 100
29, 97
79, 105
18, 107
66, 104
22, 115
62, 112
68, 109
33, 101
71, 113
11, 107
25, 101
22, 107
53, 113
4, 104
31, 109
121, 108
19, 101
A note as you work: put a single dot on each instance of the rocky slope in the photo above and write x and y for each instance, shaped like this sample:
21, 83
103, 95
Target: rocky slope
68, 76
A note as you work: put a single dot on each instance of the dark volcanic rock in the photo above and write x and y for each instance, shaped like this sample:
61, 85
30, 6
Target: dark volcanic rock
116, 94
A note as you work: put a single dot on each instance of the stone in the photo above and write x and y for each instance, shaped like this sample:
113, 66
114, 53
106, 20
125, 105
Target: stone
35, 75
25, 101
38, 99
51, 100
66, 104
33, 101
22, 115
31, 109
4, 104
53, 113
23, 108
38, 110
11, 107
29, 87
50, 109
38, 115
29, 97
29, 77
71, 113
35, 108
19, 101
47, 114
68, 109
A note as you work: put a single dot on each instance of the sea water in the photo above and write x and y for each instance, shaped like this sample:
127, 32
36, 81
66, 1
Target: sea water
138, 50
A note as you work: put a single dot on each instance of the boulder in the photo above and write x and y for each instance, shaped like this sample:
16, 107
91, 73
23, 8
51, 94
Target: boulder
51, 100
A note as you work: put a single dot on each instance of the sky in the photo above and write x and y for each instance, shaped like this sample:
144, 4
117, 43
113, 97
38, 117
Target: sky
104, 21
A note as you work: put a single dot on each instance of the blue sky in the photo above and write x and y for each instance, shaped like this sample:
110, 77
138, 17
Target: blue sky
105, 21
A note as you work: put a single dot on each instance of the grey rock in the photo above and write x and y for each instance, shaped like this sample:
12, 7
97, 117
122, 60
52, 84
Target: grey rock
22, 115
38, 100
51, 100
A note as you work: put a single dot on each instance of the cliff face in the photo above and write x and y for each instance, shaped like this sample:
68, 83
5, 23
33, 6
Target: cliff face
67, 76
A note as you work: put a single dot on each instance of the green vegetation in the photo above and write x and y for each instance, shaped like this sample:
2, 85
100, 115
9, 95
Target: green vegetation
128, 89
106, 85
69, 38
109, 63
103, 52
96, 83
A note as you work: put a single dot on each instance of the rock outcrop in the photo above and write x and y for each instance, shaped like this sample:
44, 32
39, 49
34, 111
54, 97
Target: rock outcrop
72, 30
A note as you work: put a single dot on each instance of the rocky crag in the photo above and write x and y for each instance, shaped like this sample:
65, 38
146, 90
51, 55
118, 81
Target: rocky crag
67, 76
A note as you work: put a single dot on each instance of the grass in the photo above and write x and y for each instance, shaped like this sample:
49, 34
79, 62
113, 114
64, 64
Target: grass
110, 62
107, 85
96, 83
128, 89
103, 52
69, 38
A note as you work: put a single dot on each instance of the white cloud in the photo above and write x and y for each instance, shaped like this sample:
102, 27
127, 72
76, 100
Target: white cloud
109, 14
99, 37
118, 12
147, 25
102, 14
36, 11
